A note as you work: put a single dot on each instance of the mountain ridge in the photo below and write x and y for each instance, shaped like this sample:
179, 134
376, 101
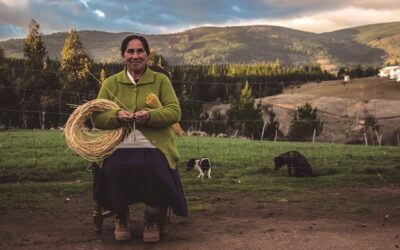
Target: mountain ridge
373, 44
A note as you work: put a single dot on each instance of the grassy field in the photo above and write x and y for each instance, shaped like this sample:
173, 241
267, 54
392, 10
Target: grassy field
37, 168
359, 88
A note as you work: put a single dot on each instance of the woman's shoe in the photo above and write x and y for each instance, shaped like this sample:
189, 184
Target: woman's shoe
122, 230
151, 232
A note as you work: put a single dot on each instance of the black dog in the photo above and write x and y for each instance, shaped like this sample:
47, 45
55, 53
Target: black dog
203, 166
297, 164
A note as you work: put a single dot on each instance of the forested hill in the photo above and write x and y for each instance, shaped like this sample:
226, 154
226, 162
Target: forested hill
371, 44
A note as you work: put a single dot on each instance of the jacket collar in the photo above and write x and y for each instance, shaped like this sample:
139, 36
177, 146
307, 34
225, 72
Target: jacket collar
147, 77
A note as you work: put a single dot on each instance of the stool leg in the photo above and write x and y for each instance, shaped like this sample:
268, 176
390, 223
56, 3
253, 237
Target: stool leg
97, 217
164, 220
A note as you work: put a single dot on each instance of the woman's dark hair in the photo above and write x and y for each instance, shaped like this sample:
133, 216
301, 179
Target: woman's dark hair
133, 37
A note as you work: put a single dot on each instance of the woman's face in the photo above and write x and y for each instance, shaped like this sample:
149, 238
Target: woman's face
135, 56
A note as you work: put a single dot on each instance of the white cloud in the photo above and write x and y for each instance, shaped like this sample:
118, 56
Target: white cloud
14, 13
339, 19
100, 13
325, 21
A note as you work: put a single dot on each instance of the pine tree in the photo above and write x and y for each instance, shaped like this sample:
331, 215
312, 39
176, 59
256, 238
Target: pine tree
277, 66
159, 62
156, 59
304, 123
34, 53
371, 127
4, 92
34, 49
342, 72
152, 55
185, 103
75, 65
245, 116
186, 107
50, 102
272, 126
212, 71
190, 110
2, 56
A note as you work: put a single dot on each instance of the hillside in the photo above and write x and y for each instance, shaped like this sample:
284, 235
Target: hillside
372, 44
385, 37
343, 108
360, 88
343, 117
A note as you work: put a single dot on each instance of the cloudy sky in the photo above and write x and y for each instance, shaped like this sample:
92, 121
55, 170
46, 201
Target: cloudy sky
168, 16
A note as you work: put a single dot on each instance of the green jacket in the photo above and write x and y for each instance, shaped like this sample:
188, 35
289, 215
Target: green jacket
119, 89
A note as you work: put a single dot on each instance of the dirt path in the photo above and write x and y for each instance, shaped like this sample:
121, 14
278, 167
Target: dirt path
235, 221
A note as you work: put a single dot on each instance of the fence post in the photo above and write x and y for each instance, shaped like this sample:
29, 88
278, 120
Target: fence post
43, 120
198, 145
365, 139
59, 110
313, 137
378, 137
357, 123
276, 135
237, 130
262, 132
24, 121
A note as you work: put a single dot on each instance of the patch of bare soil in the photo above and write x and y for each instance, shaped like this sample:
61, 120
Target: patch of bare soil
343, 118
315, 219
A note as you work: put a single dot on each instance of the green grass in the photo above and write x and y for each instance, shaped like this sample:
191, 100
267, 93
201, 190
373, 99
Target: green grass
39, 194
38, 156
36, 166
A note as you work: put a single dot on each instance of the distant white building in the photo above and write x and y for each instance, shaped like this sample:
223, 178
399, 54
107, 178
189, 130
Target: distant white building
395, 74
386, 71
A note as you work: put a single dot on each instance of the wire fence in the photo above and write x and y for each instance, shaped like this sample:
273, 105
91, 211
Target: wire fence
203, 129
45, 117
29, 117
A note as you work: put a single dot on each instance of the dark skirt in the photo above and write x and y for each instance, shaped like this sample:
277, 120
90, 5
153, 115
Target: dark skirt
138, 175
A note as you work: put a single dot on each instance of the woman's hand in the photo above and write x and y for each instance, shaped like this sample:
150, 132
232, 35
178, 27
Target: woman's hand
142, 116
125, 116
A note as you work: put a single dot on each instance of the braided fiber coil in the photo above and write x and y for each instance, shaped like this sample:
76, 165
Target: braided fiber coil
92, 145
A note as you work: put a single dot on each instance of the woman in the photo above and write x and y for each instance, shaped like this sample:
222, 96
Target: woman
143, 168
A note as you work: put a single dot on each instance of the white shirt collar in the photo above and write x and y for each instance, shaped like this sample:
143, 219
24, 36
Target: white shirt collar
131, 77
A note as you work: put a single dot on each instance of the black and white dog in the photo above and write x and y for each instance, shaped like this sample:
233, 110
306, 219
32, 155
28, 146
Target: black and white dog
203, 165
